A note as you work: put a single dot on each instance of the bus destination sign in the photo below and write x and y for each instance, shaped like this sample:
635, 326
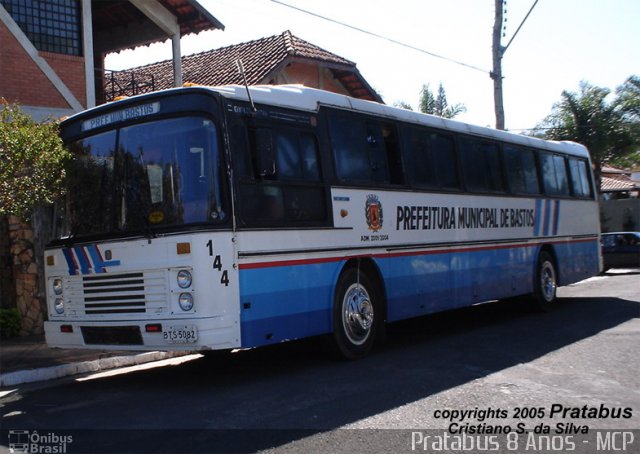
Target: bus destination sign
130, 113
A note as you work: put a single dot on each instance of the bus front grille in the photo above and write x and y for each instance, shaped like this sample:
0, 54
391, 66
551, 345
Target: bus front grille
129, 293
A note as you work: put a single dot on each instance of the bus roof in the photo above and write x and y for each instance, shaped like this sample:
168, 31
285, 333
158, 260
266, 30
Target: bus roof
311, 99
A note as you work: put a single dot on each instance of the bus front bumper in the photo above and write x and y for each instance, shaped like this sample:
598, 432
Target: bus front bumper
156, 335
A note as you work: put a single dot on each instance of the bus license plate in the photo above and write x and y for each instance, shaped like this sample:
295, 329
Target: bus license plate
180, 334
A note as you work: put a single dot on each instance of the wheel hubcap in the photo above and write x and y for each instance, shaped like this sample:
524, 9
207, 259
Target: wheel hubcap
548, 281
357, 314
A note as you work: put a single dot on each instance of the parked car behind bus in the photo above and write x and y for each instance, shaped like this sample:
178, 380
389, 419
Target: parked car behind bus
621, 250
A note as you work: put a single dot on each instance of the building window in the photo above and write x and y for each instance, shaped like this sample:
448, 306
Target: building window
51, 25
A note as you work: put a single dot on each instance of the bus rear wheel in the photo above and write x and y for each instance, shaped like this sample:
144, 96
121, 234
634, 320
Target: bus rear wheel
546, 283
355, 314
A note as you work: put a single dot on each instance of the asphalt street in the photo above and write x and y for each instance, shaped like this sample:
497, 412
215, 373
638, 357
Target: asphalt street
474, 370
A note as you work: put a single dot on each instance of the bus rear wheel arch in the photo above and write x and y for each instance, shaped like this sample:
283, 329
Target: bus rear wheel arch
358, 312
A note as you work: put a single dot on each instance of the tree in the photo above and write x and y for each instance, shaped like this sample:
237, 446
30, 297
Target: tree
32, 162
438, 105
628, 100
607, 129
402, 105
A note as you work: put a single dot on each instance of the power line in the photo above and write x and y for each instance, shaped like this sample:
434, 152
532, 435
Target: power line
376, 35
504, 49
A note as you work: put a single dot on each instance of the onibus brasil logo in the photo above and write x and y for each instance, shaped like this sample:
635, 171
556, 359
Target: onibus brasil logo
27, 441
373, 212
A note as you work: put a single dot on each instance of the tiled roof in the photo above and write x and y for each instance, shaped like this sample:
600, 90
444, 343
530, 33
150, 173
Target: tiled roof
609, 169
117, 21
260, 58
618, 183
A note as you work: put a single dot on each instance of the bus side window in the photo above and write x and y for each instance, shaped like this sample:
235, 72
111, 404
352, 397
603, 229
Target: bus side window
392, 151
522, 174
296, 156
366, 151
385, 159
433, 159
443, 156
579, 178
348, 140
554, 174
286, 188
481, 165
265, 161
240, 151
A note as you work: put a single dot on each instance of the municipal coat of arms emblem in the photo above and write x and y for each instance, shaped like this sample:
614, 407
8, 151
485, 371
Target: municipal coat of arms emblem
373, 212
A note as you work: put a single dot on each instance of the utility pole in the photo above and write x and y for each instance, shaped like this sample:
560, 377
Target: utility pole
498, 53
496, 73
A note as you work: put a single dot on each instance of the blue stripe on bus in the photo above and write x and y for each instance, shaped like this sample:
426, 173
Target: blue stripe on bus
83, 260
556, 216
547, 217
286, 302
98, 263
538, 217
294, 301
71, 262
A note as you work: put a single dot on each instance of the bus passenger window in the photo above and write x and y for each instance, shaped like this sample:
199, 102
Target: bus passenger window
579, 177
296, 157
433, 159
554, 175
481, 166
348, 139
522, 174
394, 157
365, 151
293, 193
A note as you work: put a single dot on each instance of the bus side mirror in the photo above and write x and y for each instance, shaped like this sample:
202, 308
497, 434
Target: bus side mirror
265, 153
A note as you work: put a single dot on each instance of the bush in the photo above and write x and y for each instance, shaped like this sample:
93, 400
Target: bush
9, 323
32, 162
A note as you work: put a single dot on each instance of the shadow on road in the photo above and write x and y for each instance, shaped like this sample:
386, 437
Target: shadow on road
268, 397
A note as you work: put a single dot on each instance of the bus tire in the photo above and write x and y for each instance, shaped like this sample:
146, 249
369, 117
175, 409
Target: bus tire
356, 315
545, 284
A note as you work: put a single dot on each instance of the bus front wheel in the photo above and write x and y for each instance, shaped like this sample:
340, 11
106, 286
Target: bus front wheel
546, 282
355, 314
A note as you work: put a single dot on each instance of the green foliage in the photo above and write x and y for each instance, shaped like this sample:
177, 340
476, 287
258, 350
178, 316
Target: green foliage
32, 162
609, 129
628, 100
9, 323
402, 105
438, 105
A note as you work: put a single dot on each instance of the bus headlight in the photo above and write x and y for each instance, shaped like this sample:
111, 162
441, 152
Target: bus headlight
58, 305
57, 286
186, 301
184, 279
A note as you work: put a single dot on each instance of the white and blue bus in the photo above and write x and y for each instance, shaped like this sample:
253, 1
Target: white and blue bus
199, 218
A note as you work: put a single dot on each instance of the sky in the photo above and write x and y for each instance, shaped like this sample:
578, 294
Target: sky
562, 43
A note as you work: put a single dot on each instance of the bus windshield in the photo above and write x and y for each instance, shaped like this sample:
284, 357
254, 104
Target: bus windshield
143, 177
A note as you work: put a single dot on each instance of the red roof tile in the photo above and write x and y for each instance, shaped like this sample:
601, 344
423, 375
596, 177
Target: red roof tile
260, 58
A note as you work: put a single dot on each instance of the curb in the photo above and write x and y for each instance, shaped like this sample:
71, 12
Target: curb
20, 377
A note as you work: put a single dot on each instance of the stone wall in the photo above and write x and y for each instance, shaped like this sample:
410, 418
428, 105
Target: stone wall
29, 297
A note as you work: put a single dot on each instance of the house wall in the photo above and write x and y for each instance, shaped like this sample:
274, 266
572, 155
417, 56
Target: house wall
620, 215
310, 75
24, 83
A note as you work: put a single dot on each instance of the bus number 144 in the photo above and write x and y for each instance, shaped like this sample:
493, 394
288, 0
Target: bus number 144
217, 265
